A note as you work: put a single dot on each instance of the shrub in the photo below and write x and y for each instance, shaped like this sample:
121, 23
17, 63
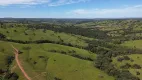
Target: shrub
126, 66
11, 76
15, 30
138, 73
132, 60
63, 52
2, 36
57, 78
120, 59
41, 56
136, 66
34, 62
126, 58
52, 51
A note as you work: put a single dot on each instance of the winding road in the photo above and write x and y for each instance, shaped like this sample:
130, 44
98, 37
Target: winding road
16, 52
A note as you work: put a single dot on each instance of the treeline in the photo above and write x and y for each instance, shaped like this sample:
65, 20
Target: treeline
3, 38
100, 46
94, 33
128, 33
41, 41
54, 42
9, 76
5, 73
47, 41
71, 29
120, 39
103, 62
96, 46
104, 58
126, 36
72, 53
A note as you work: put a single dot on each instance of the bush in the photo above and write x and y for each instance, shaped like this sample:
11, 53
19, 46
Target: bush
126, 66
1, 71
20, 52
41, 56
138, 73
11, 76
126, 75
120, 59
57, 78
53, 51
132, 60
15, 30
2, 36
126, 58
9, 60
63, 52
7, 31
34, 62
136, 66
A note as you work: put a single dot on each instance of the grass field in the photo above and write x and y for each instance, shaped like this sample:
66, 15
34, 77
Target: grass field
137, 59
41, 64
24, 34
133, 44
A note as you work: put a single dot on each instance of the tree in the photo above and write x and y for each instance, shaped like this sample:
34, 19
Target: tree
126, 58
15, 30
2, 36
136, 66
138, 73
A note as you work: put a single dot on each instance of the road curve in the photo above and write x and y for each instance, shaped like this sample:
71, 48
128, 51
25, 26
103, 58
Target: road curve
16, 52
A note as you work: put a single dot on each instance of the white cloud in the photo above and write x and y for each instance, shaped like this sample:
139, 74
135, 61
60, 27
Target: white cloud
134, 11
63, 2
10, 2
34, 2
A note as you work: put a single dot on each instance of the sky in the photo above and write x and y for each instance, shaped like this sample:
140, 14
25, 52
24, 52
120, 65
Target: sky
71, 8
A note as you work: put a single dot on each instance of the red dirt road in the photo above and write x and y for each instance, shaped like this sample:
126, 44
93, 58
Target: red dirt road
19, 64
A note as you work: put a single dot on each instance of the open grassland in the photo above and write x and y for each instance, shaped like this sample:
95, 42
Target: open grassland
24, 34
53, 61
133, 44
134, 59
2, 61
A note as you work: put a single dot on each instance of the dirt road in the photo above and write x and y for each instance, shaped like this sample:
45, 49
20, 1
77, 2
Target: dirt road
16, 52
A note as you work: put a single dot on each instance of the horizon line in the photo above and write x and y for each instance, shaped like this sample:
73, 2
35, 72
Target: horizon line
66, 18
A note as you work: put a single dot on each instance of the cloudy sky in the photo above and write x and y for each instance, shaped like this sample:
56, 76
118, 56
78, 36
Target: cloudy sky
71, 8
